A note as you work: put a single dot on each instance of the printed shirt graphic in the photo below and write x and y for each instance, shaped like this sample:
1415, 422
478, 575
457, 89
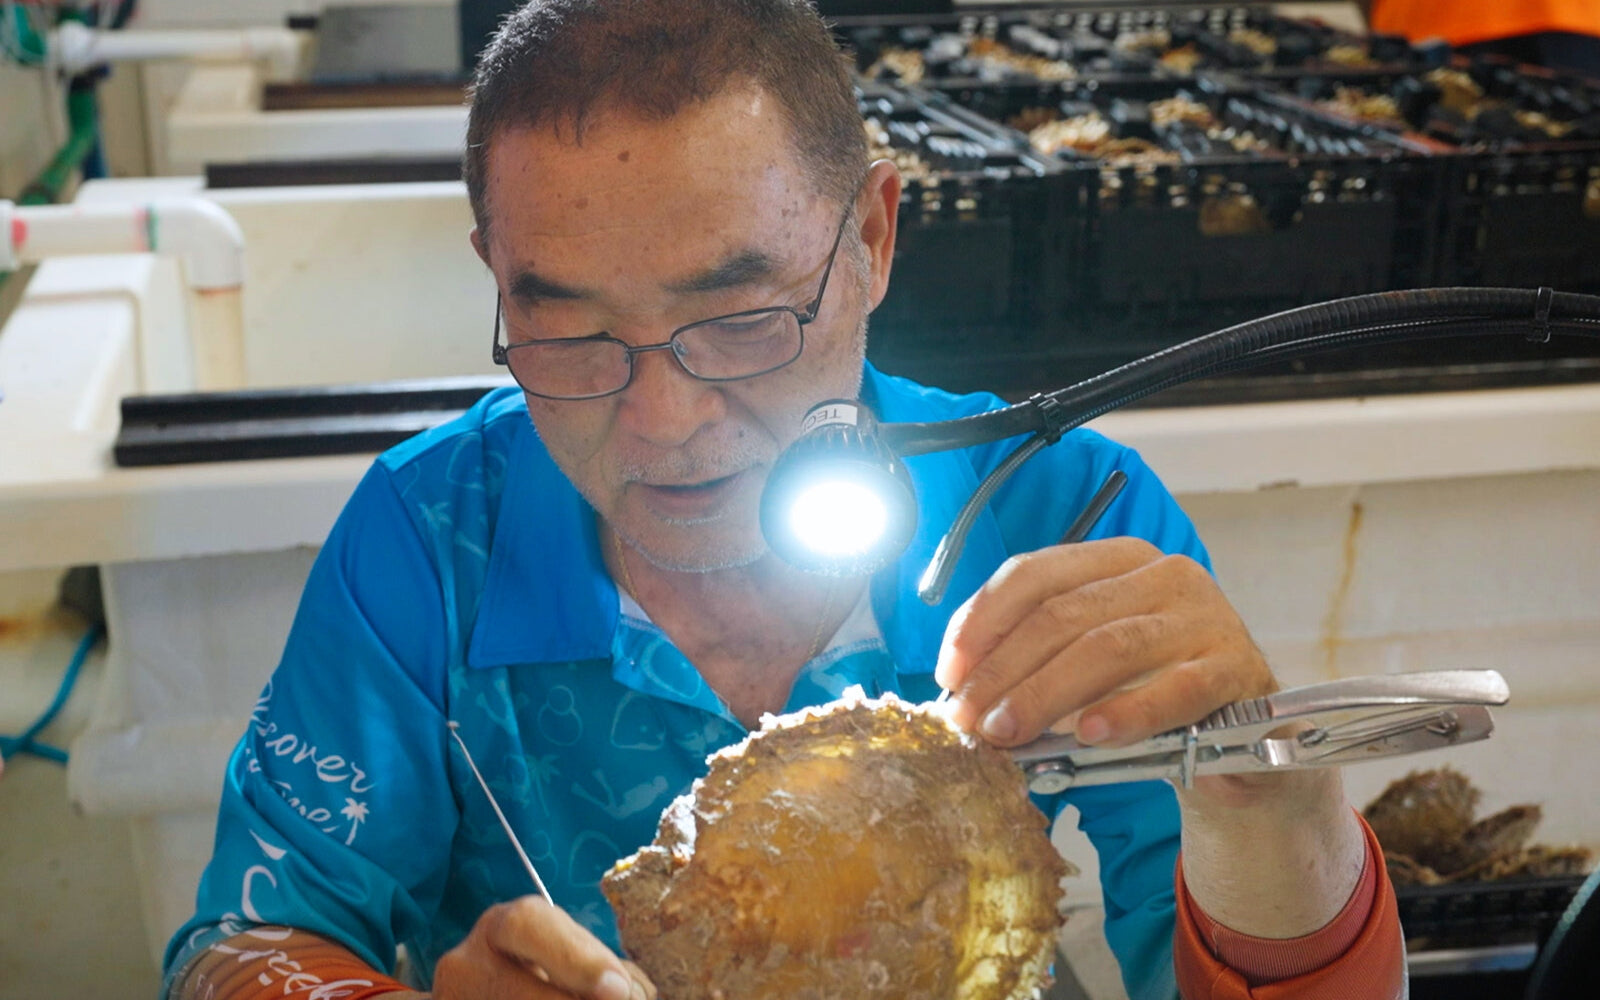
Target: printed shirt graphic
464, 582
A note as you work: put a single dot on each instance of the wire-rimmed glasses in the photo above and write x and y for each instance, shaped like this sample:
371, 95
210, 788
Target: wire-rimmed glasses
721, 349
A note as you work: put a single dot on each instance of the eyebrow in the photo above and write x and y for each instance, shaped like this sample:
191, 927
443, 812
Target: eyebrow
529, 287
747, 267
744, 268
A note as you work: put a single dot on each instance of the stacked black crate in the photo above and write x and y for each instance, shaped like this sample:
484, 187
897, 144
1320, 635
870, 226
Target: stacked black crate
1218, 164
1215, 205
970, 239
1163, 225
1525, 153
1520, 199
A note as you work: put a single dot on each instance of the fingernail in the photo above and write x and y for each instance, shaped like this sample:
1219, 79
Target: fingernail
957, 707
1093, 728
613, 985
1000, 724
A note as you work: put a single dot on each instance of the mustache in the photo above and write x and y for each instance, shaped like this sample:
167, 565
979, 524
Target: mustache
699, 463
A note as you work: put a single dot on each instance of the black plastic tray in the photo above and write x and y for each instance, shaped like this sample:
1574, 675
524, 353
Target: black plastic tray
283, 423
1469, 914
1329, 209
1519, 207
1084, 41
970, 243
1492, 126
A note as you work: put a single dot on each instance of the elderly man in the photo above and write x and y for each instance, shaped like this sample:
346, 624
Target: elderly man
687, 239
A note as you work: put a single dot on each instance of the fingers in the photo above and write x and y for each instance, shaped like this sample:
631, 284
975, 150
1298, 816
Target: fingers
1110, 657
1117, 656
1017, 589
468, 973
1039, 654
637, 975
541, 936
1172, 697
529, 950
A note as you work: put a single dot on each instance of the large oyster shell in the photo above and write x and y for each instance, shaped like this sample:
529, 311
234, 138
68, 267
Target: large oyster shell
1424, 814
1425, 823
865, 851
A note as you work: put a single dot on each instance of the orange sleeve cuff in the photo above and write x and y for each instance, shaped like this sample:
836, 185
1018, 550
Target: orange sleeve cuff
245, 969
1361, 953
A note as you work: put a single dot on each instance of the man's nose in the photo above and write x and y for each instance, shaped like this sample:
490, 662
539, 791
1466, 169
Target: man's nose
666, 405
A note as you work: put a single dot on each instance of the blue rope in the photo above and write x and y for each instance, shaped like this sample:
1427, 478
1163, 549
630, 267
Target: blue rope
10, 746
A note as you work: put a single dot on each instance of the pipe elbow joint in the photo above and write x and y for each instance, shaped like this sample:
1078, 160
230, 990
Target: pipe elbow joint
204, 235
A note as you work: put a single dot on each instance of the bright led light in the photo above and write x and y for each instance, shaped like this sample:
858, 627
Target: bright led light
839, 501
838, 518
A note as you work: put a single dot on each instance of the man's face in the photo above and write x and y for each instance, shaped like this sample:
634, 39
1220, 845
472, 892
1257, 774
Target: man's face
647, 226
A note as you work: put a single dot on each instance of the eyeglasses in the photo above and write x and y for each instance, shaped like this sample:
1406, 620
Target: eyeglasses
722, 349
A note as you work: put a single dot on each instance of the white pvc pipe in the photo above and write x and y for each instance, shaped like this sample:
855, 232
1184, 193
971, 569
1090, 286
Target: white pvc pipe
76, 47
200, 232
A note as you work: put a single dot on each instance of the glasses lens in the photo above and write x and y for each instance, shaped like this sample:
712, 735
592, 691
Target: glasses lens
569, 369
739, 346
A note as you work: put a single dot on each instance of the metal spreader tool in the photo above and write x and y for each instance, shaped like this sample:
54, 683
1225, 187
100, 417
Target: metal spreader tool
1338, 722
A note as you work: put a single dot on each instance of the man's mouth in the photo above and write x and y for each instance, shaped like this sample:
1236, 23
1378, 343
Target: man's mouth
687, 489
681, 501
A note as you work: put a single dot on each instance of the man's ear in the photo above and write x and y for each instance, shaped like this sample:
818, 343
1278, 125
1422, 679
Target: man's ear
479, 244
880, 215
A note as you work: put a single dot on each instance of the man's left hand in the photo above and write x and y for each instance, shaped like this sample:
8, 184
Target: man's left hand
1112, 639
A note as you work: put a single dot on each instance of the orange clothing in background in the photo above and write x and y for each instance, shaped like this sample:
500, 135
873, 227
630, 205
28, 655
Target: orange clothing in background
1360, 954
1465, 22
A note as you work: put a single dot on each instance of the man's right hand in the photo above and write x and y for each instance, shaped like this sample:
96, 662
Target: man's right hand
529, 950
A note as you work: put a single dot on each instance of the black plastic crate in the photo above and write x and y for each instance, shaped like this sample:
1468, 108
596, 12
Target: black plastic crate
1479, 105
1205, 224
1522, 195
970, 245
1527, 218
1526, 210
1049, 42
1471, 914
1261, 235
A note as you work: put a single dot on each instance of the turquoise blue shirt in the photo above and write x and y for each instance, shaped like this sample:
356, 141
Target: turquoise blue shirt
464, 581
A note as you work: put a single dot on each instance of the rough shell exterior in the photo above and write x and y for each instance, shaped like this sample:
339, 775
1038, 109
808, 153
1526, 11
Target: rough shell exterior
1424, 814
865, 851
1425, 823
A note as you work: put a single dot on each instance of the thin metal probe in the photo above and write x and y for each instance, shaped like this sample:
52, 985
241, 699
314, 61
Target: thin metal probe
1096, 508
1082, 525
527, 862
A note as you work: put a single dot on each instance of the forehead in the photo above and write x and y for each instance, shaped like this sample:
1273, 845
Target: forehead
718, 168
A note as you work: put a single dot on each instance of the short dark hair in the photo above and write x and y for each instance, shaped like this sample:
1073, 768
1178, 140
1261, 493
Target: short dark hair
553, 63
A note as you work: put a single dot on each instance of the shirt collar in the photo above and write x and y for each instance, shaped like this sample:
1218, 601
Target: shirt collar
548, 598
546, 594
